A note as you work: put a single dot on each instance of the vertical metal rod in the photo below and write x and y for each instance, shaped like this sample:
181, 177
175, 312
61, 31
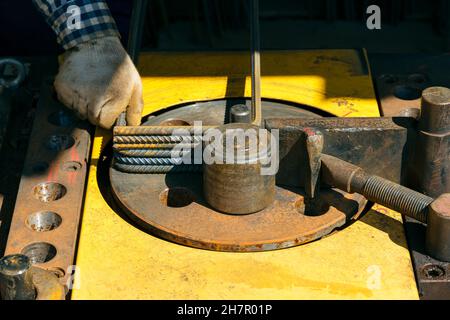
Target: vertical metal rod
137, 20
256, 62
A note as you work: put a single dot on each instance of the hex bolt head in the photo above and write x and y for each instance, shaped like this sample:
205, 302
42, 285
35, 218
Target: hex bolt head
438, 228
15, 278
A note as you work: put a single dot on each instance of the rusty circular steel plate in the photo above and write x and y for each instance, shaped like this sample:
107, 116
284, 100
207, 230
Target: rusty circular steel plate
172, 205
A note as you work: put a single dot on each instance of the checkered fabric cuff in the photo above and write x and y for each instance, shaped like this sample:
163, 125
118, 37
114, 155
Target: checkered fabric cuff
78, 21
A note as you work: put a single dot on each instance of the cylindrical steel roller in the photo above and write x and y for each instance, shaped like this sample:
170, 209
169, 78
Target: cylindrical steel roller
237, 186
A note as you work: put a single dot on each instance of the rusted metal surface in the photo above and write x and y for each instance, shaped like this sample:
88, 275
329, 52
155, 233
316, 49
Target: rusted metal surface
438, 228
176, 209
417, 71
19, 280
430, 170
47, 285
432, 275
49, 201
314, 146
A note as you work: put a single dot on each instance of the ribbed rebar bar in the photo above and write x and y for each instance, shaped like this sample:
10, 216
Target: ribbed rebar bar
154, 146
157, 153
157, 139
156, 130
150, 161
157, 169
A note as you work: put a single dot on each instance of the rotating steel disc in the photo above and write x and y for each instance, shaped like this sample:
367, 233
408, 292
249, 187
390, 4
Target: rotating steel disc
172, 205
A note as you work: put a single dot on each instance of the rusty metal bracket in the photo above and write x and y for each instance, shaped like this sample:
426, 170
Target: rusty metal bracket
49, 202
360, 141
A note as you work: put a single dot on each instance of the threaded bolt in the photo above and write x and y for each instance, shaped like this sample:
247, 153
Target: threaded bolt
351, 178
397, 197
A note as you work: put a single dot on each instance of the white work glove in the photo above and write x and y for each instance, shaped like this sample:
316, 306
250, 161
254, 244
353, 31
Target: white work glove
98, 80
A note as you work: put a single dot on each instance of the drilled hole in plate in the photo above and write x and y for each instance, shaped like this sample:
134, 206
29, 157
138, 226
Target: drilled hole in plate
174, 122
417, 78
389, 78
39, 252
43, 221
433, 271
59, 142
407, 92
71, 166
58, 272
176, 197
311, 207
62, 118
40, 167
49, 191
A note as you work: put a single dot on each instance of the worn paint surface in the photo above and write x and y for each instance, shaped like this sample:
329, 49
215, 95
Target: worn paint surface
367, 260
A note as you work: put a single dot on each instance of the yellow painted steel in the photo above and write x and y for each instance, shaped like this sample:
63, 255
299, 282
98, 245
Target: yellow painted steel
367, 260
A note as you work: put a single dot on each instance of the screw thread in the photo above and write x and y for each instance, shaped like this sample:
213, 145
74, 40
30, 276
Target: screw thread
397, 197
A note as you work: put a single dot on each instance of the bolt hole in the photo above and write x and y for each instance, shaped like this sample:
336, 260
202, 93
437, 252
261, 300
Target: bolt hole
59, 142
49, 191
417, 78
39, 252
389, 78
40, 167
176, 197
62, 118
407, 93
433, 271
58, 272
71, 166
174, 122
311, 207
43, 221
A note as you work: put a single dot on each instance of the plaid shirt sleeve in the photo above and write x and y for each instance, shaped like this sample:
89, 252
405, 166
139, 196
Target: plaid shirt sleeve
77, 21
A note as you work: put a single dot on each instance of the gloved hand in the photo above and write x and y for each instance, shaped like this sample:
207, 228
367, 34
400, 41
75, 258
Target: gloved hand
98, 80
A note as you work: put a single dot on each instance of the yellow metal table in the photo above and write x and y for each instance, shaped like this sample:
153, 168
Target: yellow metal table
367, 260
